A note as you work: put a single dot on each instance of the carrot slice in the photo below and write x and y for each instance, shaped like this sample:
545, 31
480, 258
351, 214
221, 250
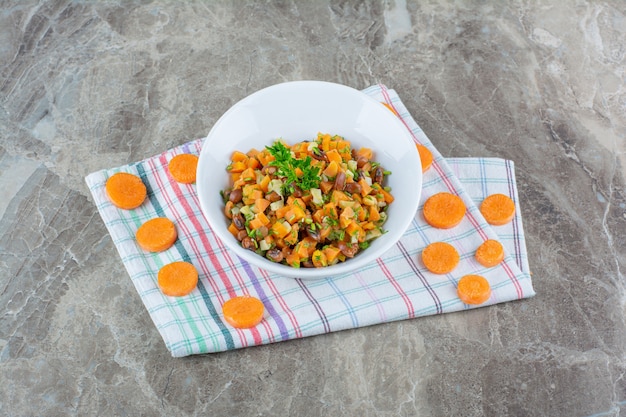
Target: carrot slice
426, 157
177, 279
490, 253
156, 235
498, 209
125, 190
444, 210
243, 312
440, 257
183, 168
473, 289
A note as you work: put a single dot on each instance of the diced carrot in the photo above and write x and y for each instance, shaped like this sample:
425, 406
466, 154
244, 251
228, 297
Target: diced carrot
319, 259
260, 204
444, 210
264, 157
255, 223
280, 212
326, 186
292, 237
331, 253
361, 213
293, 259
440, 257
330, 210
233, 229
346, 217
365, 152
243, 312
333, 156
332, 169
263, 218
238, 156
125, 190
374, 214
490, 253
338, 196
253, 163
237, 166
280, 229
156, 235
295, 214
293, 201
325, 144
318, 215
369, 225
248, 175
252, 153
265, 182
177, 279
353, 228
498, 209
301, 250
365, 187
183, 168
386, 196
473, 289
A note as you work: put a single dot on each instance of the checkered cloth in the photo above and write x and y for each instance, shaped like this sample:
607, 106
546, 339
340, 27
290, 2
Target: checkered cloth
394, 287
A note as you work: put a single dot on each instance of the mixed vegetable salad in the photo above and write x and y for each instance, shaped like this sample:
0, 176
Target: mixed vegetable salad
311, 204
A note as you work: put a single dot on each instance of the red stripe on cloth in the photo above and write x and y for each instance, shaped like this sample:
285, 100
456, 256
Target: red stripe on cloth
392, 280
181, 198
283, 304
442, 175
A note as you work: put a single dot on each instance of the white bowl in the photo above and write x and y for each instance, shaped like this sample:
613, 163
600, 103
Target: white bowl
297, 111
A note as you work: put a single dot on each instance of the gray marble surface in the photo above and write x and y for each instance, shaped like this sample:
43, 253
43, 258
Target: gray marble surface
92, 85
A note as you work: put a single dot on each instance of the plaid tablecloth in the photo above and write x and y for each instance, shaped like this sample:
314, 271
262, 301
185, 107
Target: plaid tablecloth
394, 287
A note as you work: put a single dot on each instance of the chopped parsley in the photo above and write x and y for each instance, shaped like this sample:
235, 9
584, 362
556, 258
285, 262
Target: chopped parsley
288, 168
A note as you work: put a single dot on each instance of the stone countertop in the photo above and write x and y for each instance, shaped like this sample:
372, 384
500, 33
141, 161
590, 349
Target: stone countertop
92, 85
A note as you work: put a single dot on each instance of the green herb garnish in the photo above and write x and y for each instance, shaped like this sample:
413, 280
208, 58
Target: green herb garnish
288, 165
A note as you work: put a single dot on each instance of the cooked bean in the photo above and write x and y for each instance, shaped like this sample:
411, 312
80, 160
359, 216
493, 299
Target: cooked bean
340, 181
269, 170
353, 188
275, 255
241, 234
349, 250
379, 175
273, 196
262, 231
248, 243
239, 221
236, 195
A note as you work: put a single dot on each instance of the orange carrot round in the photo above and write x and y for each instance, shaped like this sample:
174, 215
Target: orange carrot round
444, 210
177, 279
490, 253
440, 257
473, 289
243, 312
498, 209
426, 157
125, 190
183, 168
156, 235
